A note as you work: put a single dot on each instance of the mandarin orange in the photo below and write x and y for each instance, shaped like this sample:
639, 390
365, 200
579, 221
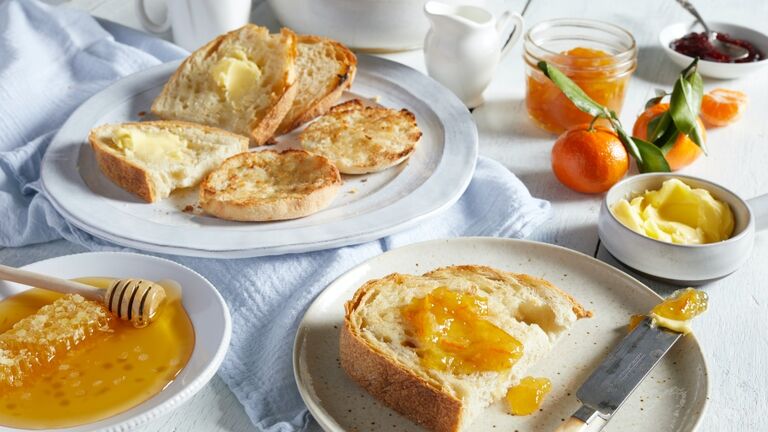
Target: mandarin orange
589, 160
721, 107
683, 151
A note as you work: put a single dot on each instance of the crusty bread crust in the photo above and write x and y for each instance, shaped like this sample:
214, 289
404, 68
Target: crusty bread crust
264, 128
265, 123
343, 82
122, 172
127, 174
277, 206
387, 379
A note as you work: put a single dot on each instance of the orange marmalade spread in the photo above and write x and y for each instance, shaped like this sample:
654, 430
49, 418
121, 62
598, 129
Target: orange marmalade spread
526, 397
595, 71
450, 333
676, 312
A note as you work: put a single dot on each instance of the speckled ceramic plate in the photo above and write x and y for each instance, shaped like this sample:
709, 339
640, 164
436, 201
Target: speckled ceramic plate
671, 399
368, 206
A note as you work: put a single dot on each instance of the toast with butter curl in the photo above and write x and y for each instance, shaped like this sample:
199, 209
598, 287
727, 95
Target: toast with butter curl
151, 159
242, 81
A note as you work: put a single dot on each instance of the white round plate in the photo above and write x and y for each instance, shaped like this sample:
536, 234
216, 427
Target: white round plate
710, 68
205, 307
368, 206
672, 398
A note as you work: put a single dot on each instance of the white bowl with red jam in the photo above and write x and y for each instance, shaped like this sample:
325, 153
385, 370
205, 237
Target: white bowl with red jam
684, 41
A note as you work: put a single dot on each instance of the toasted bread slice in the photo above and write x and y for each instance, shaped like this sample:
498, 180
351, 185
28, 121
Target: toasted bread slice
325, 68
242, 81
360, 139
379, 354
151, 159
267, 185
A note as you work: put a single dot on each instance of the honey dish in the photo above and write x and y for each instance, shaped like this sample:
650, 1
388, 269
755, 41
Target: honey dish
91, 369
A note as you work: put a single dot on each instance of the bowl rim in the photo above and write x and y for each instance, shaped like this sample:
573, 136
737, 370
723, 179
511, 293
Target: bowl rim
665, 44
748, 227
150, 409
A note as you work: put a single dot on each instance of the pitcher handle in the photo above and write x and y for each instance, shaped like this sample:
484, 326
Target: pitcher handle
512, 24
147, 22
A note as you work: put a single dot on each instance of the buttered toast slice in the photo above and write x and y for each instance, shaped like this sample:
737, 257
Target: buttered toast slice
325, 68
151, 159
360, 139
242, 81
267, 185
441, 347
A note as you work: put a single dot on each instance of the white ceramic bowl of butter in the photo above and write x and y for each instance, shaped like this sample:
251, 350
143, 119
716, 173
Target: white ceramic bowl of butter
677, 263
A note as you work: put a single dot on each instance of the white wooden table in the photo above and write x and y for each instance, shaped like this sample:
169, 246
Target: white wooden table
734, 333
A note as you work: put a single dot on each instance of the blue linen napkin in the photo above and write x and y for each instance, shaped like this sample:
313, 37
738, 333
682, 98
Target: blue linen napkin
52, 59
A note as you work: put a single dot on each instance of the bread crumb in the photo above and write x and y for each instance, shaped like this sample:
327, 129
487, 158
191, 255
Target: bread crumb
352, 191
142, 113
189, 208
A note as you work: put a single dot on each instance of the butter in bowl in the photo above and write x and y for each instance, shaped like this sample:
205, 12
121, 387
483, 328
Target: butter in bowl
679, 229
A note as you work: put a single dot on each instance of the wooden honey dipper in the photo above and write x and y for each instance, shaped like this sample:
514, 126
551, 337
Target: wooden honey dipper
134, 300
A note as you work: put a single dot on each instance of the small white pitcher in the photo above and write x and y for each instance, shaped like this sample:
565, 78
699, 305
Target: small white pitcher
464, 45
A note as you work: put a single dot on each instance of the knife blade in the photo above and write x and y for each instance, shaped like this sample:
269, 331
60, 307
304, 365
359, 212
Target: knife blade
618, 376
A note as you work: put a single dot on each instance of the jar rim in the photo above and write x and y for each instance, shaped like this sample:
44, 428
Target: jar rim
627, 54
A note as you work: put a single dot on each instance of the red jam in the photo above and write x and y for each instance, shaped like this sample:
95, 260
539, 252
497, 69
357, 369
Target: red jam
698, 45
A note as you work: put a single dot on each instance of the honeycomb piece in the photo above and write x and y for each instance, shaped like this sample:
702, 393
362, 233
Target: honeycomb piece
38, 341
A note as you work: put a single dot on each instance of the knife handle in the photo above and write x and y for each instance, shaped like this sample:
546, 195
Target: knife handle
574, 424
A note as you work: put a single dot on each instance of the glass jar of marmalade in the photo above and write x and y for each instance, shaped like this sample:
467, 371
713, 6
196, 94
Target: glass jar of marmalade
598, 56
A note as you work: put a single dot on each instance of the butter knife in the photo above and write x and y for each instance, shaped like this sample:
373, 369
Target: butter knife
609, 386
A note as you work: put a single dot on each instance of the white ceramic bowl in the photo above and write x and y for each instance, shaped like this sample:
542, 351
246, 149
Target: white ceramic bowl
207, 311
675, 263
372, 25
714, 69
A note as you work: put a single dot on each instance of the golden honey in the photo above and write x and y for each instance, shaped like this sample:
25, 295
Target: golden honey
450, 333
526, 397
109, 373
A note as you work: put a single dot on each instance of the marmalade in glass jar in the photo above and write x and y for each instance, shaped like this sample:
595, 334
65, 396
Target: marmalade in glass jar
595, 71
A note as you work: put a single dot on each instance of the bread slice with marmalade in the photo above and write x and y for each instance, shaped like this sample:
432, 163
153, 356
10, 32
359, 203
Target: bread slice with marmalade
385, 341
242, 81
